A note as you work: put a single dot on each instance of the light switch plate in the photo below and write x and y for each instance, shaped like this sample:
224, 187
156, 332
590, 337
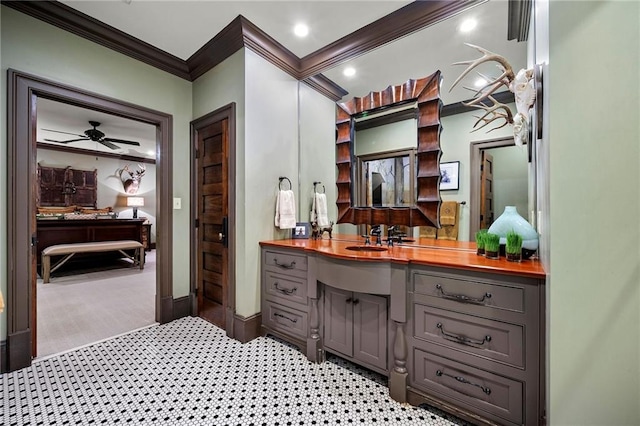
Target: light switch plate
177, 203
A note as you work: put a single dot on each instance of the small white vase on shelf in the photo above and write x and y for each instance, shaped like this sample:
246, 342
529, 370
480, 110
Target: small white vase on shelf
511, 220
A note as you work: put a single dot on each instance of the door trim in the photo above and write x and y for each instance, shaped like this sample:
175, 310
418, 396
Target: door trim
226, 112
23, 90
474, 193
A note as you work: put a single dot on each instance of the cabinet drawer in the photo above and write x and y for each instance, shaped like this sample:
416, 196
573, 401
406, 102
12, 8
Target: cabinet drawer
477, 389
286, 287
500, 341
469, 294
285, 262
284, 319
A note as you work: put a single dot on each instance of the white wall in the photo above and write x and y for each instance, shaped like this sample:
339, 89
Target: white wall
317, 151
271, 151
390, 137
110, 192
593, 291
31, 46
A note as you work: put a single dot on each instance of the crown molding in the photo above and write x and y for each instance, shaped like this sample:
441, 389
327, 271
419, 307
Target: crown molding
75, 22
404, 21
243, 33
505, 97
519, 17
326, 87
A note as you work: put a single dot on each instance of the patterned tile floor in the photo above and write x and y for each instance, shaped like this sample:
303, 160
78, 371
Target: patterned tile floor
188, 372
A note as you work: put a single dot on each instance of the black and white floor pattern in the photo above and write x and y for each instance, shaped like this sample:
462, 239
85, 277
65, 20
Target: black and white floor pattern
188, 372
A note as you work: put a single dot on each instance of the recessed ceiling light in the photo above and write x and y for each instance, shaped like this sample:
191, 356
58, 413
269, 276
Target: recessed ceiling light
468, 25
151, 152
480, 82
349, 72
301, 30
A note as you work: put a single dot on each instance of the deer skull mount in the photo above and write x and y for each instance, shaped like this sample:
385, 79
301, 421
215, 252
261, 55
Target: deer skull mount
131, 179
522, 84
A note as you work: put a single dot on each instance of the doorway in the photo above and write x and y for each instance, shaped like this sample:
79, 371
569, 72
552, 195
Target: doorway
499, 177
24, 90
213, 207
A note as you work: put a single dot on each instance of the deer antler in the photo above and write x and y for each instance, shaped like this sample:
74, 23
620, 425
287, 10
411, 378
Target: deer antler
505, 78
492, 113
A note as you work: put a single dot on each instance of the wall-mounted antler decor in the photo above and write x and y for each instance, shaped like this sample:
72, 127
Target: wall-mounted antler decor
131, 179
525, 85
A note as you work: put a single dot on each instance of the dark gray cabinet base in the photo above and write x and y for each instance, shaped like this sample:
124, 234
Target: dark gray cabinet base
466, 341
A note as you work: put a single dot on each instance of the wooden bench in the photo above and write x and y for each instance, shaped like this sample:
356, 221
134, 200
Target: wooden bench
99, 246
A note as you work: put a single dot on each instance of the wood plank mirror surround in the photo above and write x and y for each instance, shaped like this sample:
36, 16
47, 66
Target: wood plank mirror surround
425, 92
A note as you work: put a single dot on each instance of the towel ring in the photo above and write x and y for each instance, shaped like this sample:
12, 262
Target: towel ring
318, 183
280, 179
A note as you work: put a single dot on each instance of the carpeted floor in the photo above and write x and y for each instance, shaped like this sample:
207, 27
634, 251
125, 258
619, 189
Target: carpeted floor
82, 306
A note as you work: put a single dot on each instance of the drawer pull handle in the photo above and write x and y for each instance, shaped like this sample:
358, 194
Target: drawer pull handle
285, 266
285, 290
461, 379
293, 320
462, 339
462, 298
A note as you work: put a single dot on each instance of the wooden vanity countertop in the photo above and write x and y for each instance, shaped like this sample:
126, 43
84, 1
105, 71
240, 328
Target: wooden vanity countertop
423, 251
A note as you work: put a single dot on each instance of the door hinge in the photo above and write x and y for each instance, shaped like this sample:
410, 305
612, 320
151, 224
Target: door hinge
197, 153
481, 167
481, 217
197, 223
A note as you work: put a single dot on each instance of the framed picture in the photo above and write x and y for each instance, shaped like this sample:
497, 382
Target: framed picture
450, 175
302, 230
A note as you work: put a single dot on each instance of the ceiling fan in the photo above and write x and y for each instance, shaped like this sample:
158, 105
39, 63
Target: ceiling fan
94, 135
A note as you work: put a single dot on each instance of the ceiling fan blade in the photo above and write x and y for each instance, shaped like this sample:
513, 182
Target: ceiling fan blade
121, 141
58, 131
70, 140
109, 144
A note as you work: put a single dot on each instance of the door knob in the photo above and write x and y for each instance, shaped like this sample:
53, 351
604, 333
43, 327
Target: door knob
220, 236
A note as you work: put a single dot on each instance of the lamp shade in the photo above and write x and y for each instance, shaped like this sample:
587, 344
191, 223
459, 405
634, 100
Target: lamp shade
135, 201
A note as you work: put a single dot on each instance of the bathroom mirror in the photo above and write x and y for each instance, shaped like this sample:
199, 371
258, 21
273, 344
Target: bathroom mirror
437, 47
425, 94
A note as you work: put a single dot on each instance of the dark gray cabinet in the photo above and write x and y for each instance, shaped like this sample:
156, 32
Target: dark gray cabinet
475, 343
467, 341
355, 326
285, 310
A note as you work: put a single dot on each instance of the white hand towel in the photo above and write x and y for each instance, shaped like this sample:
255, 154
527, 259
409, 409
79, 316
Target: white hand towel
285, 210
320, 209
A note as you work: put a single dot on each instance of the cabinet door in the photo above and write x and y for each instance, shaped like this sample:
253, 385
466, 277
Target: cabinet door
338, 320
370, 329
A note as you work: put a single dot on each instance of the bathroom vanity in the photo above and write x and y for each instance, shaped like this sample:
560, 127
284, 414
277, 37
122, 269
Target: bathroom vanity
447, 327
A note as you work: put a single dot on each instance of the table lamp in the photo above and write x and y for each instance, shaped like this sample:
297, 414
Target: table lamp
135, 202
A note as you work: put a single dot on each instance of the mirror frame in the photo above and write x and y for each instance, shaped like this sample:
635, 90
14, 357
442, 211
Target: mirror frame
426, 211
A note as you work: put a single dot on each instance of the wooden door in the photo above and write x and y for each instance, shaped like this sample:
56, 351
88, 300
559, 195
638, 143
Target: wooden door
212, 203
486, 191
